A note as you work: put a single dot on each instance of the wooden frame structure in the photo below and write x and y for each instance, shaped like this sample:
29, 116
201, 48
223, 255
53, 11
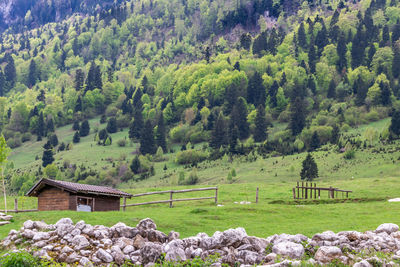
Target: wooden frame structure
310, 191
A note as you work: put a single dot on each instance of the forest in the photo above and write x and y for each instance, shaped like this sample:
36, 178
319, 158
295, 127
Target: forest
222, 74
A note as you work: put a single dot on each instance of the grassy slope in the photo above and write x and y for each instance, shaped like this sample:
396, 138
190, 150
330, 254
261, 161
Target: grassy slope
375, 176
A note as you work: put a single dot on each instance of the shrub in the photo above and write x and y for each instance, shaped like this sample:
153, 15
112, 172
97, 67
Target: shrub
193, 178
190, 157
14, 142
26, 137
22, 259
121, 143
349, 154
178, 134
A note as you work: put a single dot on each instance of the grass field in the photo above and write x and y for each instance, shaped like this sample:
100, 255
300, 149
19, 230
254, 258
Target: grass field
263, 219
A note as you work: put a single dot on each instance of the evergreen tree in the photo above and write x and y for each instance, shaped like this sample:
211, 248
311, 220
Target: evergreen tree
341, 51
396, 32
358, 48
395, 64
273, 91
335, 134
361, 89
371, 53
41, 96
78, 105
256, 93
385, 94
75, 126
260, 131
112, 125
233, 136
77, 137
301, 36
47, 157
297, 116
239, 116
332, 89
394, 127
312, 57
10, 72
260, 44
137, 124
53, 140
147, 143
160, 133
50, 126
33, 73
85, 128
40, 127
385, 37
135, 165
79, 79
2, 83
219, 134
309, 170
245, 41
75, 46
315, 141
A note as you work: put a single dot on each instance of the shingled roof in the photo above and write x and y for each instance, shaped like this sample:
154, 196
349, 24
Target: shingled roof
76, 188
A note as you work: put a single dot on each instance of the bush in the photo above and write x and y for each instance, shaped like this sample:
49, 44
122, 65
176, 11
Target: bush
14, 142
349, 154
121, 143
178, 133
26, 137
21, 259
190, 157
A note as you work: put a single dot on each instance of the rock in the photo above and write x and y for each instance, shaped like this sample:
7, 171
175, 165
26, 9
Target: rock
67, 250
288, 249
64, 229
85, 262
64, 221
40, 236
40, 244
146, 224
172, 236
104, 256
6, 218
150, 252
156, 236
80, 242
75, 232
128, 249
362, 263
326, 254
28, 234
28, 224
122, 242
388, 228
138, 242
271, 257
73, 258
249, 257
175, 251
40, 225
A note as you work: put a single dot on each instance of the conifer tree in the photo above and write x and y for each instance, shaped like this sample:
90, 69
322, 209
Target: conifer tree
2, 83
135, 165
53, 140
301, 36
385, 94
147, 142
10, 72
309, 170
160, 133
79, 80
297, 115
256, 93
85, 128
77, 137
219, 134
233, 136
335, 134
40, 127
396, 32
341, 51
371, 53
332, 89
75, 126
315, 141
395, 64
78, 105
358, 48
137, 124
47, 157
394, 127
239, 117
312, 57
260, 131
33, 73
273, 91
112, 125
385, 37
361, 90
50, 126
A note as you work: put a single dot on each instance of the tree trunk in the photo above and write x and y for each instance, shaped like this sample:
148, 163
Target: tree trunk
4, 191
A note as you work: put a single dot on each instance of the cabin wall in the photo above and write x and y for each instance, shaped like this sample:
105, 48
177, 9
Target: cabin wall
106, 203
51, 198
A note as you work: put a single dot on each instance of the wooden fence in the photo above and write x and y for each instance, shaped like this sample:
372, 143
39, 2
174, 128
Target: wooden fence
16, 210
171, 200
307, 191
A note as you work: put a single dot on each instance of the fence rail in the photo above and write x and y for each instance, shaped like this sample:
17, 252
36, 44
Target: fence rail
308, 190
171, 200
16, 210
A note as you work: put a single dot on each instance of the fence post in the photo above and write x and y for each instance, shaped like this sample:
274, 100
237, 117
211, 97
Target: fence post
216, 196
170, 198
298, 192
16, 205
294, 193
302, 190
306, 194
257, 195
124, 208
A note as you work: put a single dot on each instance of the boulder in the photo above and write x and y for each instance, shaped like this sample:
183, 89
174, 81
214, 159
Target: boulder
146, 224
80, 242
326, 254
288, 249
150, 252
388, 228
64, 221
41, 236
28, 224
63, 229
362, 263
104, 256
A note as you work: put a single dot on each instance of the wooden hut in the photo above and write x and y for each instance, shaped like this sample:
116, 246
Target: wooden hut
61, 195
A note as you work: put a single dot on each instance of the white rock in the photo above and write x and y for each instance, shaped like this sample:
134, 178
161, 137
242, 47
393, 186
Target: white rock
362, 263
288, 249
80, 242
387, 227
64, 221
128, 249
41, 236
28, 224
104, 256
327, 254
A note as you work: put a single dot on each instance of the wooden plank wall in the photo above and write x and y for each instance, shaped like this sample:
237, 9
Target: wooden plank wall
53, 199
105, 203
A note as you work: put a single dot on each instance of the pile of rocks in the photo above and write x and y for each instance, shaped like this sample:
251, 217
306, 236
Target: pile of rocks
5, 219
89, 245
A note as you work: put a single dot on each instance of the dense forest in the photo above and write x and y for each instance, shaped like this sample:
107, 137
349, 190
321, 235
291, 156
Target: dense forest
222, 73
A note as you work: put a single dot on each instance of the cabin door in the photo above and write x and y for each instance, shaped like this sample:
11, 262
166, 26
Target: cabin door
85, 204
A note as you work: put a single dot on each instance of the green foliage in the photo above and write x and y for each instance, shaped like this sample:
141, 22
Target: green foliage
190, 156
20, 259
309, 169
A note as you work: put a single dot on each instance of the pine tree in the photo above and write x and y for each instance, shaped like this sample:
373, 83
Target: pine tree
160, 133
76, 138
47, 157
75, 46
310, 169
361, 89
315, 141
10, 72
233, 137
50, 126
32, 77
341, 51
135, 165
2, 83
385, 94
147, 143
335, 134
301, 36
396, 62
371, 53
358, 48
112, 125
312, 57
40, 127
332, 89
297, 116
78, 105
75, 126
260, 131
394, 127
85, 128
396, 32
79, 79
385, 37
273, 91
53, 140
137, 124
219, 134
256, 93
239, 115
